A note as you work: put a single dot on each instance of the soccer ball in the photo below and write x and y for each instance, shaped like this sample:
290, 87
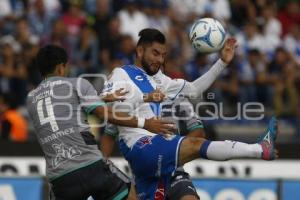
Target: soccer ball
207, 35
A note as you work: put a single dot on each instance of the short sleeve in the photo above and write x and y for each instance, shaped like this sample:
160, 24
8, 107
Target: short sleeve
89, 100
115, 81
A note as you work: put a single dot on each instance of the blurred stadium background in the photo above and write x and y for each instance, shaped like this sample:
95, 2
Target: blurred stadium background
100, 35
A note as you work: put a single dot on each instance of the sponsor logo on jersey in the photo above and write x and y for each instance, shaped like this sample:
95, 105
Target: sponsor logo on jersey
64, 153
139, 78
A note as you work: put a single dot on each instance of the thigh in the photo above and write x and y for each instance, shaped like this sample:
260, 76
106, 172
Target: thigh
181, 187
190, 149
154, 156
132, 193
67, 187
150, 188
153, 160
110, 183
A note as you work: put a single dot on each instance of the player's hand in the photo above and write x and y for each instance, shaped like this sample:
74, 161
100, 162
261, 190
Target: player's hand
156, 96
159, 126
227, 52
118, 95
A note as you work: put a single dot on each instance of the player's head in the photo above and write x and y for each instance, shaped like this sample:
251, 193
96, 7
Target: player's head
151, 50
52, 59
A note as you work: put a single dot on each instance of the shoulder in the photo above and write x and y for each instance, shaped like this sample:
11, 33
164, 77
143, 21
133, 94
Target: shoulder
118, 78
74, 80
29, 97
31, 93
119, 71
161, 76
79, 85
77, 82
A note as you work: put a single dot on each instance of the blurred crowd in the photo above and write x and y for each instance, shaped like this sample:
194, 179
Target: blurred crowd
100, 35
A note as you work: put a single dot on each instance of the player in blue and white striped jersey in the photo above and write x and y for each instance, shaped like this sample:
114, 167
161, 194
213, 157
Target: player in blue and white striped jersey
154, 158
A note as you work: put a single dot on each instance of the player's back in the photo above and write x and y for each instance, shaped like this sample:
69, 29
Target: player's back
57, 108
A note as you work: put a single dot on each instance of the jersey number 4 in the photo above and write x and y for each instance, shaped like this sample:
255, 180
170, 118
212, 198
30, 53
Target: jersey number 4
50, 113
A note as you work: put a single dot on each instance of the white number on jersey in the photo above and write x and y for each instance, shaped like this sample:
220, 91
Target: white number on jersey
50, 113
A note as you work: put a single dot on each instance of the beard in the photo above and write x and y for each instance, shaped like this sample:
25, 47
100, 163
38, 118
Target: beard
147, 67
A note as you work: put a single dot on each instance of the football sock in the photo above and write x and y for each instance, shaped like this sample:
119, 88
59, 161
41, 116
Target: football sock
225, 150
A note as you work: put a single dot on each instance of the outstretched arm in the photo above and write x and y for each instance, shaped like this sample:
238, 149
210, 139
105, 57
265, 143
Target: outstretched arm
91, 103
201, 84
124, 119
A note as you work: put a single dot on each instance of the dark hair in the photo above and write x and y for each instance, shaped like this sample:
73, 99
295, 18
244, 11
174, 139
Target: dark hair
48, 57
150, 35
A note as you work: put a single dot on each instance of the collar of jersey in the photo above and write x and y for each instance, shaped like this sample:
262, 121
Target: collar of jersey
50, 77
143, 71
139, 68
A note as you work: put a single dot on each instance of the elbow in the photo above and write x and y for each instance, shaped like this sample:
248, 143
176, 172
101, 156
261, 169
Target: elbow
195, 91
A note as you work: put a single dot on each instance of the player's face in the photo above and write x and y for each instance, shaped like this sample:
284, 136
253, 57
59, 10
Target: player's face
153, 58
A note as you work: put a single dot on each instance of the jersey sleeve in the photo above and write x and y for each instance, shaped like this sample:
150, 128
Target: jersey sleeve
111, 129
171, 87
117, 80
89, 100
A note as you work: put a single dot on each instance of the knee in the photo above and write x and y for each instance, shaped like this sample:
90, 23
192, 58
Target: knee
195, 142
189, 149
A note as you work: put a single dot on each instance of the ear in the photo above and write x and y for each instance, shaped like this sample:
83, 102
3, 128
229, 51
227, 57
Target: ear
140, 51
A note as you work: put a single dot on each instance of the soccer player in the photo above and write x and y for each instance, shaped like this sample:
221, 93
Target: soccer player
153, 158
58, 108
181, 112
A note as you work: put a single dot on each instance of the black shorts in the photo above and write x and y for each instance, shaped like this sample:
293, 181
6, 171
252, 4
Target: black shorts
101, 180
180, 186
